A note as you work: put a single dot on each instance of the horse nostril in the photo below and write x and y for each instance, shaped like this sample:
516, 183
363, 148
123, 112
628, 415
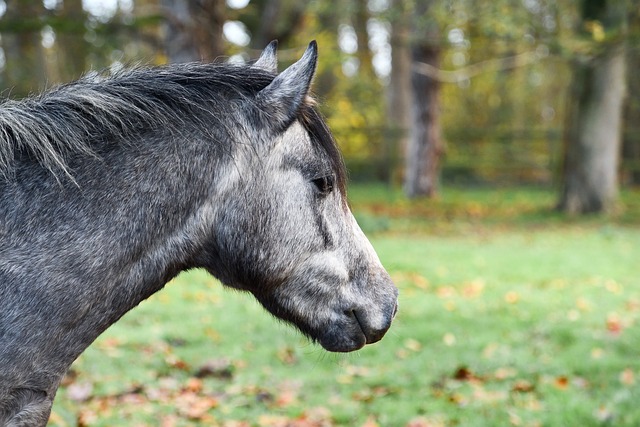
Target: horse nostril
395, 311
372, 333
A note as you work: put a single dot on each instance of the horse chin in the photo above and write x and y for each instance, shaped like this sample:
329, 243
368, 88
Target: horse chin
343, 344
342, 338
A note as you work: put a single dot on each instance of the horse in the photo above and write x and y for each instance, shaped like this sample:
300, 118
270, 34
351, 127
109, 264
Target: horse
112, 185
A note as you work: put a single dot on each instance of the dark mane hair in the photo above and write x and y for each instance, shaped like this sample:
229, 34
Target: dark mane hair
73, 117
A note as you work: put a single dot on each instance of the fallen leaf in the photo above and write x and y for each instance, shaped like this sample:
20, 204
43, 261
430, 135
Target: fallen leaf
215, 368
449, 339
511, 297
413, 345
402, 354
370, 422
194, 406
80, 392
424, 422
614, 324
633, 305
56, 418
169, 421
234, 423
287, 355
175, 362
523, 386
580, 383
463, 373
604, 414
514, 419
458, 399
286, 398
504, 373
473, 288
583, 304
597, 353
445, 291
193, 385
319, 416
613, 287
274, 421
86, 418
561, 382
627, 377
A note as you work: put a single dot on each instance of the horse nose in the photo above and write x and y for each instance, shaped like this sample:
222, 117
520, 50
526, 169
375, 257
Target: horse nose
373, 329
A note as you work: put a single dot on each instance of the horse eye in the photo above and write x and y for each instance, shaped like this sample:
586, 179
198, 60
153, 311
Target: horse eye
324, 184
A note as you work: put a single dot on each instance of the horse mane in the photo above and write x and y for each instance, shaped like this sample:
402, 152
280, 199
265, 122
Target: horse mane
74, 117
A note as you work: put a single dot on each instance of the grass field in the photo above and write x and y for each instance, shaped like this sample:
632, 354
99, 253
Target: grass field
509, 315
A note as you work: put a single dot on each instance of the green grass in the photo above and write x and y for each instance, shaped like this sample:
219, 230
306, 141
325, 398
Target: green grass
509, 315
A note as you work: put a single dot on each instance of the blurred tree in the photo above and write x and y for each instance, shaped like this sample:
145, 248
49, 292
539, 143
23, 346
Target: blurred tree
360, 19
269, 20
631, 140
25, 69
425, 148
491, 74
73, 48
194, 29
594, 115
399, 95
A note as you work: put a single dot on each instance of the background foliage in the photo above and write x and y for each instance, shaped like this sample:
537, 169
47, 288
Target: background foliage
505, 68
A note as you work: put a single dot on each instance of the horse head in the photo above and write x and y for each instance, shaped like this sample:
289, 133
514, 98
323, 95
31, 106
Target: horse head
284, 231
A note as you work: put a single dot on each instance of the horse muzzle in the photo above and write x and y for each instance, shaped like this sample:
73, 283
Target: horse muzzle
358, 327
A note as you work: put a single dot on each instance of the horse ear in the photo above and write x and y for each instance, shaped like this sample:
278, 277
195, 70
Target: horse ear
268, 60
282, 98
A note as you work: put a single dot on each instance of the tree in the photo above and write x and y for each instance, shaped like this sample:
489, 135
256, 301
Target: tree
399, 97
25, 70
631, 144
73, 49
194, 29
425, 146
269, 20
594, 116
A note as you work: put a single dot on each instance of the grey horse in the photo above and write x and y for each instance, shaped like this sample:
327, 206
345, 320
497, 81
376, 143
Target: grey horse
112, 185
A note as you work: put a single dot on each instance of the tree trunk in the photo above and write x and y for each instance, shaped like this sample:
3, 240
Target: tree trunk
593, 128
631, 138
365, 57
267, 26
25, 69
425, 142
399, 96
194, 29
71, 46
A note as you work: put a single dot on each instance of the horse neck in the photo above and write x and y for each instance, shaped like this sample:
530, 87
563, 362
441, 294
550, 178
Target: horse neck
80, 255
